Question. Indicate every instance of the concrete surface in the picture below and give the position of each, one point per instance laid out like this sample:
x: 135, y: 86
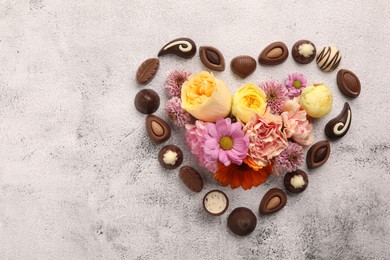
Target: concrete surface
x: 79, y: 177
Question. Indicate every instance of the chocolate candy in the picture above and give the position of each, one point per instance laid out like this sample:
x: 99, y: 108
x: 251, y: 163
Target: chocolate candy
x: 243, y: 66
x: 242, y: 221
x: 191, y: 178
x: 157, y: 129
x: 339, y: 126
x: 318, y: 154
x: 212, y: 58
x: 147, y: 101
x: 274, y: 54
x: 328, y: 58
x: 348, y: 83
x: 296, y: 181
x: 274, y: 200
x: 147, y: 70
x: 303, y: 51
x: 215, y: 202
x: 182, y: 47
x: 170, y: 157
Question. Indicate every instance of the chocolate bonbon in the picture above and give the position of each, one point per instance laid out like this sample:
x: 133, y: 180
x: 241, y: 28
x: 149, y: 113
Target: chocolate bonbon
x: 303, y: 51
x: 243, y: 65
x: 274, y: 54
x: 191, y: 178
x: 318, y: 154
x: 212, y: 58
x: 296, y: 181
x: 147, y: 70
x: 328, y: 58
x: 339, y: 126
x: 147, y: 101
x: 274, y: 200
x: 348, y: 83
x: 182, y: 47
x: 158, y: 130
x: 170, y: 157
x: 215, y: 202
x: 242, y: 221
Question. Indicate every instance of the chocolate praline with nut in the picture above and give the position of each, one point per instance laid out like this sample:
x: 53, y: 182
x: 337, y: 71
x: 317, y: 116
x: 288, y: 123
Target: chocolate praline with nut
x: 303, y: 51
x: 296, y: 181
x: 170, y: 157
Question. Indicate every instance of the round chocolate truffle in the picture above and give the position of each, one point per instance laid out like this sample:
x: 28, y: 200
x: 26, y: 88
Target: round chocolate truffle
x: 215, y: 202
x: 303, y: 51
x: 147, y: 101
x: 242, y: 221
x: 296, y: 181
x: 170, y: 157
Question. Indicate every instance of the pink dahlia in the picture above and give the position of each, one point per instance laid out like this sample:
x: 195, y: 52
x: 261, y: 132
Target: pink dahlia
x: 174, y: 81
x: 276, y: 95
x: 226, y: 142
x: 178, y: 115
x: 266, y: 139
x: 195, y: 137
x: 290, y: 159
x: 295, y: 84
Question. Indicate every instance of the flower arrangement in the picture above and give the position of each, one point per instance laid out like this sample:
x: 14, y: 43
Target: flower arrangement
x: 245, y: 137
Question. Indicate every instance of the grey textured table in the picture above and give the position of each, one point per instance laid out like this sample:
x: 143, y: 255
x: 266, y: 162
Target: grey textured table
x: 79, y: 178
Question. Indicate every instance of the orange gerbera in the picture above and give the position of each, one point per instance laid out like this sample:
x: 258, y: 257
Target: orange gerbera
x: 241, y: 175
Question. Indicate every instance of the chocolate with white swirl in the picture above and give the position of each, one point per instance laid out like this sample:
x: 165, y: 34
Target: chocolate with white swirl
x: 328, y: 58
x: 182, y: 47
x: 339, y: 126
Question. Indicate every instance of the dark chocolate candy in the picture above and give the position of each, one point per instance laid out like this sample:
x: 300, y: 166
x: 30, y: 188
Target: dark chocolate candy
x: 348, y: 83
x: 215, y: 202
x: 296, y: 181
x: 191, y: 178
x: 157, y: 129
x: 147, y: 70
x: 274, y: 54
x: 339, y: 126
x: 182, y: 47
x: 318, y: 154
x: 274, y: 200
x: 303, y: 51
x: 170, y: 157
x: 147, y: 101
x: 328, y: 58
x: 212, y: 58
x: 243, y: 66
x: 242, y: 221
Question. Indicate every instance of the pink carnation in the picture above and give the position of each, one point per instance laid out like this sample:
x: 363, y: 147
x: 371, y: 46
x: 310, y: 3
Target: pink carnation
x: 174, y: 81
x: 176, y: 113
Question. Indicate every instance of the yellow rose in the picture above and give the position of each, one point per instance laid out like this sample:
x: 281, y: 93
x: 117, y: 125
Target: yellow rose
x: 248, y: 100
x: 205, y: 97
x: 316, y: 100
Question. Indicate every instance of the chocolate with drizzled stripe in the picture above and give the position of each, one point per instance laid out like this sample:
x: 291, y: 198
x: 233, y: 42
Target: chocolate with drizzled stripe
x: 328, y: 58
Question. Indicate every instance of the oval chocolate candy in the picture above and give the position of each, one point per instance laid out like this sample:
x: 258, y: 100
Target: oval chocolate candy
x: 242, y: 221
x: 348, y: 83
x: 212, y: 58
x: 243, y: 65
x: 191, y: 178
x: 318, y: 154
x: 296, y: 181
x: 147, y: 101
x: 147, y: 70
x: 328, y: 58
x: 274, y: 200
x: 182, y: 47
x: 274, y: 54
x: 339, y: 126
x: 170, y: 157
x: 157, y: 129
x: 303, y: 51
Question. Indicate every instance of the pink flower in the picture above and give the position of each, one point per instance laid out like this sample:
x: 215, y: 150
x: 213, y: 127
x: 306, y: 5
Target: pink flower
x: 226, y: 142
x: 295, y: 123
x: 295, y: 84
x: 290, y: 159
x: 266, y: 139
x: 195, y: 137
x: 276, y: 95
x: 178, y: 115
x: 174, y: 81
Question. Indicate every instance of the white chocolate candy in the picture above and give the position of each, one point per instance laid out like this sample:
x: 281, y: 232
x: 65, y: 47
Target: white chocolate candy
x: 215, y: 202
x: 170, y: 157
x: 328, y: 58
x: 297, y: 181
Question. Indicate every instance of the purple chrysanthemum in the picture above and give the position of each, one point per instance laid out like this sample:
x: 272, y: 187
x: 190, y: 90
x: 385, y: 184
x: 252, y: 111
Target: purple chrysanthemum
x: 178, y: 115
x: 276, y: 95
x: 174, y: 81
x: 290, y: 159
x: 295, y: 84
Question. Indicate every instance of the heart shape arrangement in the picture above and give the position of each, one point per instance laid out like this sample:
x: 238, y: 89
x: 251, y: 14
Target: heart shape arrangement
x: 259, y: 130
